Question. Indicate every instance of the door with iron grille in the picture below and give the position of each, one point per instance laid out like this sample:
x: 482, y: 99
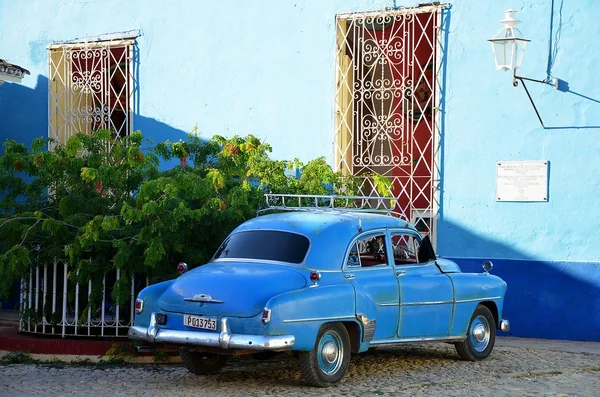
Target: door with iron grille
x: 387, y: 69
x: 90, y: 88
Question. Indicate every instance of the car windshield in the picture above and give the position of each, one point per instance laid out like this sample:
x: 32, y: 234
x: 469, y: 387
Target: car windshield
x: 268, y: 245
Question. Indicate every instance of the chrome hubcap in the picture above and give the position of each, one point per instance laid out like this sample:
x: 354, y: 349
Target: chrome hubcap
x: 330, y: 352
x: 479, y: 333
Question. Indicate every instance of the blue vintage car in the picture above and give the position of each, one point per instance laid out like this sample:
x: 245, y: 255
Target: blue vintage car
x: 320, y: 283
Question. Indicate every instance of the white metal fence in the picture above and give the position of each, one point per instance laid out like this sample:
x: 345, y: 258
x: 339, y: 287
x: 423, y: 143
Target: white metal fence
x: 53, y: 304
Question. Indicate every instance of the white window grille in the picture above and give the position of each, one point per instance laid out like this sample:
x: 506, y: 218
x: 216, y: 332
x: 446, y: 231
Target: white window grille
x: 91, y: 86
x: 387, y: 95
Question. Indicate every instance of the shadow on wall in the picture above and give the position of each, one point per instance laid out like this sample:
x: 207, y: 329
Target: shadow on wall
x: 24, y: 111
x: 444, y: 37
x: 25, y: 117
x: 156, y: 131
x: 552, y: 300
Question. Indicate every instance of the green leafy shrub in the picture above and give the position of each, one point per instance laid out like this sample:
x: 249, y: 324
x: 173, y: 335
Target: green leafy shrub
x: 103, y: 204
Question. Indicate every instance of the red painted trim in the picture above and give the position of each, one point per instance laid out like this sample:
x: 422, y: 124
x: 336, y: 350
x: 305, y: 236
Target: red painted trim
x: 12, y: 340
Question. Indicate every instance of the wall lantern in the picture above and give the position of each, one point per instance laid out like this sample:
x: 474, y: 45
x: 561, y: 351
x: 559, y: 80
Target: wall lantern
x: 508, y: 47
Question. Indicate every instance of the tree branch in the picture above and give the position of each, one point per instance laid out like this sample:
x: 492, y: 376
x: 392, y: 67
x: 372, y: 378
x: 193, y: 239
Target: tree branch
x: 27, y: 232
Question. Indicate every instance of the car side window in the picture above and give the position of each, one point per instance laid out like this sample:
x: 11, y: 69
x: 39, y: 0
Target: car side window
x: 405, y: 247
x: 367, y: 251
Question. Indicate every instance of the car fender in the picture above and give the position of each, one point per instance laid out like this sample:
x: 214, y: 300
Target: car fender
x: 150, y: 295
x: 365, y: 304
x: 302, y: 312
x: 366, y: 311
x: 469, y: 291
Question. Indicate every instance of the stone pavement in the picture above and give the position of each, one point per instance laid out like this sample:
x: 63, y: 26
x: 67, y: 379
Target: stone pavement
x: 517, y: 367
x: 548, y: 344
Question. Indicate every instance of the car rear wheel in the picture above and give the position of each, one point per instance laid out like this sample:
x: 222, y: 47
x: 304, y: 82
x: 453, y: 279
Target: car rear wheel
x: 481, y: 336
x: 202, y: 363
x: 328, y: 361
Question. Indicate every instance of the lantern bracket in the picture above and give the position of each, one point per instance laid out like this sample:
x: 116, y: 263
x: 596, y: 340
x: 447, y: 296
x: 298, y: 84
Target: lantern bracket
x: 516, y: 79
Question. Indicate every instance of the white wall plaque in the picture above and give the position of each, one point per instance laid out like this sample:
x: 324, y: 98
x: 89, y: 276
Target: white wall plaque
x: 522, y: 181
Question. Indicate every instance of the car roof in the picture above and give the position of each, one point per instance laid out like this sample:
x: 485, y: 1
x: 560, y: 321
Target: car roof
x: 329, y: 231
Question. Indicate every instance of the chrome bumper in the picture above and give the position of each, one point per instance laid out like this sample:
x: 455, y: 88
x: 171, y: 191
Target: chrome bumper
x: 223, y: 339
x: 504, y: 325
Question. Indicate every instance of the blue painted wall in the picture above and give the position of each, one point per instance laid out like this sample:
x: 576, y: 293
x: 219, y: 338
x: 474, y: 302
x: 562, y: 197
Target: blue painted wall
x: 267, y: 67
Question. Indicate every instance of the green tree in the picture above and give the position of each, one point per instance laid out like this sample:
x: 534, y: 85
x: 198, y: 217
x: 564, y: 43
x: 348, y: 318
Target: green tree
x: 103, y: 204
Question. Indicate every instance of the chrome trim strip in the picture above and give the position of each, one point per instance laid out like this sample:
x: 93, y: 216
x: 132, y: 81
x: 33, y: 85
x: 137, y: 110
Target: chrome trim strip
x: 298, y: 320
x: 478, y: 299
x: 438, y: 302
x: 369, y: 330
x: 426, y: 303
x: 409, y: 340
x: 407, y: 266
x: 224, y: 339
x: 367, y: 269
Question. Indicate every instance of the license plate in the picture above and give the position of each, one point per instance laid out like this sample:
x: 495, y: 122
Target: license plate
x: 200, y: 322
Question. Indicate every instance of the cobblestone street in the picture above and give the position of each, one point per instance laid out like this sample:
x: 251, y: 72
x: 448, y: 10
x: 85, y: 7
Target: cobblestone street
x: 416, y: 370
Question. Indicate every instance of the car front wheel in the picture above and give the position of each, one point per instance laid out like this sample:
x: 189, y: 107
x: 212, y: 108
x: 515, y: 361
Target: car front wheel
x: 328, y: 361
x: 481, y: 336
x: 202, y: 363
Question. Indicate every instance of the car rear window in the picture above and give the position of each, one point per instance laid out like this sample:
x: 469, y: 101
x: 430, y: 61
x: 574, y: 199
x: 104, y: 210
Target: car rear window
x: 269, y: 245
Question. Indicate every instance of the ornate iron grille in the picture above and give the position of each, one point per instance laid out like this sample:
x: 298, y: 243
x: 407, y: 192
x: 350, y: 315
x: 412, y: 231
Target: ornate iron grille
x: 387, y: 90
x: 90, y: 88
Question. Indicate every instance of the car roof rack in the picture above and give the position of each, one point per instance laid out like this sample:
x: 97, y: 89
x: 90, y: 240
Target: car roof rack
x: 351, y: 204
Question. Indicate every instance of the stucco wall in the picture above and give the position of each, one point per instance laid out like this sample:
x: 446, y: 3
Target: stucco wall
x: 267, y: 68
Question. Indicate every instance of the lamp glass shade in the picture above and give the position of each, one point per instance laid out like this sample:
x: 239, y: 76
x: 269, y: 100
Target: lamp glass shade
x: 519, y: 47
x: 509, y: 45
x: 508, y: 52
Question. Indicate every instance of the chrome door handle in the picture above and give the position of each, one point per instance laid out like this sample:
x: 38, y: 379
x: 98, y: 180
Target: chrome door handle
x: 400, y: 273
x: 349, y: 276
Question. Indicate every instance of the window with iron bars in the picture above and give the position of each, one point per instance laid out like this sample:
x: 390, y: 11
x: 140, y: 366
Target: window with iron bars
x: 90, y: 87
x: 387, y: 72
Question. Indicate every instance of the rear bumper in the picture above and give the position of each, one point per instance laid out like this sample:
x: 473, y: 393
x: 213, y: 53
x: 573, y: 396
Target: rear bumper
x: 223, y: 339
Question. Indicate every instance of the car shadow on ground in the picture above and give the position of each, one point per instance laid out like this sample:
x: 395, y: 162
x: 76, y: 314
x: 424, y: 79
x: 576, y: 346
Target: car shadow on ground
x: 284, y: 370
x: 405, y: 366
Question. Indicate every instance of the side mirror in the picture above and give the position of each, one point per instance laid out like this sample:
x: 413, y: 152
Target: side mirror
x: 487, y: 266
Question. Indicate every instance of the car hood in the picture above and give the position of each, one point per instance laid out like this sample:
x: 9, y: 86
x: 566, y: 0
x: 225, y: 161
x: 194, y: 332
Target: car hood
x: 236, y: 289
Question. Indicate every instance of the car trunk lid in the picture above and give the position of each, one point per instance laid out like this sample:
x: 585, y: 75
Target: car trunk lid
x: 236, y: 289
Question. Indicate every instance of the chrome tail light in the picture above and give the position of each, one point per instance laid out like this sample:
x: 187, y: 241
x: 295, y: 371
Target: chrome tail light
x: 139, y: 305
x: 182, y: 268
x: 266, y: 316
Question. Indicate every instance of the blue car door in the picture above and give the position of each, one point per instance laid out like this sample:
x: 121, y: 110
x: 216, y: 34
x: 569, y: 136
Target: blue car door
x: 426, y: 294
x: 369, y: 270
